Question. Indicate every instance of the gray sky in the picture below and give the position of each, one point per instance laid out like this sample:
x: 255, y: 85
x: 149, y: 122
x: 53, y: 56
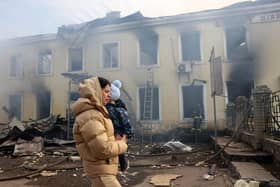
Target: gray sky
x: 30, y: 17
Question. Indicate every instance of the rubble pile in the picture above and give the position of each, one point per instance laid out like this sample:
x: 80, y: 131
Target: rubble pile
x: 21, y: 138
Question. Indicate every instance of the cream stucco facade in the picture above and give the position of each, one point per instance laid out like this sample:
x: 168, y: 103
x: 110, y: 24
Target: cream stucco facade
x: 262, y: 40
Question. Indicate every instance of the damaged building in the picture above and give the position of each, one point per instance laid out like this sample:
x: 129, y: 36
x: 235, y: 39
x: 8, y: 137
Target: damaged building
x: 163, y: 63
x: 181, y: 76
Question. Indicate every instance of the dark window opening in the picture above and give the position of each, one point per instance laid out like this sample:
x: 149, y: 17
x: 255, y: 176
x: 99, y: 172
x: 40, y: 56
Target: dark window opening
x: 193, y: 101
x: 236, y: 89
x: 148, y: 41
x: 155, y: 103
x: 43, y: 104
x: 75, y: 59
x: 190, y: 42
x: 236, y: 43
x: 110, y: 55
x: 15, y: 102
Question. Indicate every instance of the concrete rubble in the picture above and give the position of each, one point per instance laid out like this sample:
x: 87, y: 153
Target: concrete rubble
x: 163, y: 179
x: 30, y: 138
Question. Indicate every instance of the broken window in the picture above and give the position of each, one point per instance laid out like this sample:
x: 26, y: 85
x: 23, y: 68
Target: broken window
x: 236, y: 43
x: 110, y: 55
x: 235, y: 89
x: 75, y: 59
x: 155, y: 103
x: 43, y: 104
x: 15, y: 102
x: 45, y: 62
x: 16, y: 67
x: 192, y: 101
x: 148, y: 42
x: 190, y: 45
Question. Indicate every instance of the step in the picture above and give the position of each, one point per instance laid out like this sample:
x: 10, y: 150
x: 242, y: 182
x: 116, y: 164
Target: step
x: 239, y: 149
x: 252, y: 171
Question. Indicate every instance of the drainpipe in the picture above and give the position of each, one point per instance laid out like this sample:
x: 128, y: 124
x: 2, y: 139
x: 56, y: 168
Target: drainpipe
x: 68, y: 110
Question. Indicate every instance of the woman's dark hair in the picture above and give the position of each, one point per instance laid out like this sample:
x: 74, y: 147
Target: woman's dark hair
x: 103, y: 82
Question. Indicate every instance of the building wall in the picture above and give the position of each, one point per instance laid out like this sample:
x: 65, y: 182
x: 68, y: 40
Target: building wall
x: 165, y: 73
x: 263, y: 40
x: 265, y: 45
x: 31, y: 82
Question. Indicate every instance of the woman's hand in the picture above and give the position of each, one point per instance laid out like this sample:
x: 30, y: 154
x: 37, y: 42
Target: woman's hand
x: 124, y: 138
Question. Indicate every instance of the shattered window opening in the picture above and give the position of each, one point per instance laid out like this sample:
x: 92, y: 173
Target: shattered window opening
x: 236, y: 45
x: 148, y: 48
x: 45, y: 62
x: 16, y: 67
x: 239, y: 88
x: 192, y: 101
x: 155, y: 101
x: 75, y: 59
x: 15, y: 104
x: 43, y: 104
x: 110, y: 55
x: 190, y: 44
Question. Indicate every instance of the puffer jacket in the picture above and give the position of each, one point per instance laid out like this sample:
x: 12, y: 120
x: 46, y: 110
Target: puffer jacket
x: 93, y: 132
x: 120, y: 119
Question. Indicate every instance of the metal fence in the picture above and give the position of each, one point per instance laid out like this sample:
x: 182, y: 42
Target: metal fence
x: 242, y: 112
x: 272, y: 108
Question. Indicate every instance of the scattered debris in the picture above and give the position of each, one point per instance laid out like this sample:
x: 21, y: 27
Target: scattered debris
x: 134, y: 173
x: 55, y: 132
x: 4, y: 130
x: 74, y: 158
x: 16, y: 123
x: 163, y: 179
x: 177, y: 146
x: 40, y: 154
x: 156, y: 149
x: 23, y: 147
x: 48, y: 173
x: 244, y: 183
x: 33, y: 172
x: 200, y: 163
x: 56, y: 153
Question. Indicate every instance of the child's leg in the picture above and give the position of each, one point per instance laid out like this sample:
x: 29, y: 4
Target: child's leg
x: 123, y: 162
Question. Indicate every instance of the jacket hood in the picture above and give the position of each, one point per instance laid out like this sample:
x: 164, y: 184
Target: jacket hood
x: 90, y: 97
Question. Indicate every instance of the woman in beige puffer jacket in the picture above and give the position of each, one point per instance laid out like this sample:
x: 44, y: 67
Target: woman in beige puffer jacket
x: 94, y: 134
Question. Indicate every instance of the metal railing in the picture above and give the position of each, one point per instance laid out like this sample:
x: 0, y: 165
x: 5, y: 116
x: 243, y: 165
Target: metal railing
x: 272, y: 108
x: 271, y: 114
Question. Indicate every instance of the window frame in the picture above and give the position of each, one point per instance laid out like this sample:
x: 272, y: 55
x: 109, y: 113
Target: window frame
x: 139, y: 104
x: 226, y: 29
x: 36, y: 104
x: 204, y: 100
x: 181, y: 53
x: 102, y: 62
x: 19, y: 62
x: 69, y: 62
x: 139, y: 64
x: 51, y: 63
x: 21, y: 100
